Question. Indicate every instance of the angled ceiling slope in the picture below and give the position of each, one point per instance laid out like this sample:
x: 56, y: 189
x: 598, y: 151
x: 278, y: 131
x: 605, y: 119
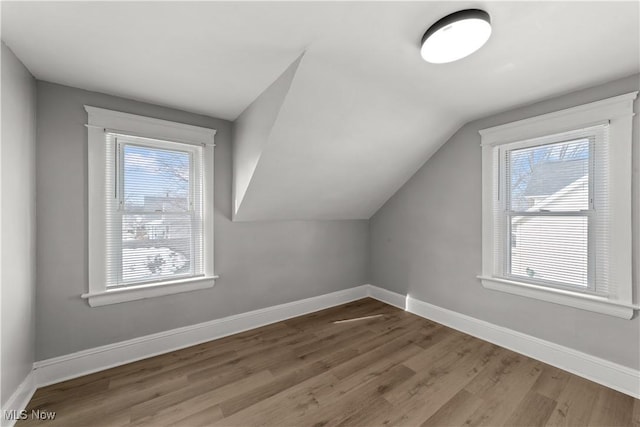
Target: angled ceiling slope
x: 348, y: 124
x: 251, y: 132
x: 363, y: 111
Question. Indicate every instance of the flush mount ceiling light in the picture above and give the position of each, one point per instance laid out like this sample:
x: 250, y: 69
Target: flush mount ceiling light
x: 456, y: 36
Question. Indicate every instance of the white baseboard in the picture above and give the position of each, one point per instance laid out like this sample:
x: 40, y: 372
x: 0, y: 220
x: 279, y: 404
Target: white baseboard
x: 18, y: 400
x: 386, y: 296
x: 601, y: 371
x: 84, y: 362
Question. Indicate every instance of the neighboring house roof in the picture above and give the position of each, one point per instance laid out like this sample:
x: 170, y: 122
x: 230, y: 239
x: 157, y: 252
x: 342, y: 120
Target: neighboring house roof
x: 550, y: 177
x: 161, y: 203
x: 559, y: 181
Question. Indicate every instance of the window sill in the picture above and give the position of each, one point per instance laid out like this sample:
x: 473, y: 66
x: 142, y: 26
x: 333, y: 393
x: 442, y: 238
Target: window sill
x: 558, y: 296
x: 115, y: 296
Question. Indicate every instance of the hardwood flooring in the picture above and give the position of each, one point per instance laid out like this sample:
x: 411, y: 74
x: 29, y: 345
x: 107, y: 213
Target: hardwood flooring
x: 360, y: 364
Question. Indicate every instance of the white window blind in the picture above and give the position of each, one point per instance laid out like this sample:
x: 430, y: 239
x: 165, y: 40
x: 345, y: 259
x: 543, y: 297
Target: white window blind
x: 551, y: 211
x: 154, y: 210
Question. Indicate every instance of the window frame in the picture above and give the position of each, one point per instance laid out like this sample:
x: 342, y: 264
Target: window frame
x: 618, y: 113
x: 101, y: 122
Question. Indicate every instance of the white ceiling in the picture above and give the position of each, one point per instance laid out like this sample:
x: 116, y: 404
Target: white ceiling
x: 212, y: 58
x: 364, y: 111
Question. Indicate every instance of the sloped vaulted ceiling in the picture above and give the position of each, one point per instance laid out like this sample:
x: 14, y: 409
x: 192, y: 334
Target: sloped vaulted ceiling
x: 363, y: 111
x: 252, y: 130
x: 350, y: 121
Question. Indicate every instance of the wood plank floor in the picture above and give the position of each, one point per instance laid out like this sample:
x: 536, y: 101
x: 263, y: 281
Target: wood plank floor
x: 360, y: 364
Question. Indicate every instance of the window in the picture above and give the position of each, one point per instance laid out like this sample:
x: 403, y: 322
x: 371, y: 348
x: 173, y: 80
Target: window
x: 154, y: 220
x: 150, y: 207
x: 550, y: 209
x: 557, y: 207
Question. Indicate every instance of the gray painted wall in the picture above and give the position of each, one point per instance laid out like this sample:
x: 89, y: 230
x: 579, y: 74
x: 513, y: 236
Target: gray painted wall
x: 18, y: 222
x: 260, y: 263
x: 426, y: 241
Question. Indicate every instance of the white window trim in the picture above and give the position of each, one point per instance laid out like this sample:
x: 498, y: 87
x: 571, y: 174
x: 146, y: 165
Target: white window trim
x: 618, y: 111
x: 100, y: 121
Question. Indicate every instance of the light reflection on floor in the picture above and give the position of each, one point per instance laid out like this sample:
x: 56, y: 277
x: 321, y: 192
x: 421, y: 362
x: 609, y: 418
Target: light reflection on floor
x: 355, y: 319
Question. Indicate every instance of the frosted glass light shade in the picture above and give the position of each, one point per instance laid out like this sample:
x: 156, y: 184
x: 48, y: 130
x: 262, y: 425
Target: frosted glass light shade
x: 456, y: 36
